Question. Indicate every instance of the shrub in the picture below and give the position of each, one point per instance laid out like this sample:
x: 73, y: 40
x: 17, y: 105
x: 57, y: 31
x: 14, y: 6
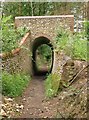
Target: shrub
x: 64, y: 41
x: 52, y: 84
x: 74, y: 46
x: 14, y: 84
x: 10, y: 35
x: 86, y: 25
x: 79, y: 47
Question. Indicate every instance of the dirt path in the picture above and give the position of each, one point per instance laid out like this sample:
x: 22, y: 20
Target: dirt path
x: 34, y: 102
x: 70, y: 102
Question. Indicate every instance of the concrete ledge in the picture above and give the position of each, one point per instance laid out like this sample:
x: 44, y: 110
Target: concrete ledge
x: 34, y: 17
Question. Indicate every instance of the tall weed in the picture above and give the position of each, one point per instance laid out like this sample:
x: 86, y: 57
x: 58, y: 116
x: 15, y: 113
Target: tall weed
x: 52, y: 84
x: 14, y: 84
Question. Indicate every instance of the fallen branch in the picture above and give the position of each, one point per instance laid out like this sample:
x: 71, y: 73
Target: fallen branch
x: 73, y: 79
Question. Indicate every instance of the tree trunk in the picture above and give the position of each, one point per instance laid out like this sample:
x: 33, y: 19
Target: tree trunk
x: 88, y: 10
x: 20, y: 5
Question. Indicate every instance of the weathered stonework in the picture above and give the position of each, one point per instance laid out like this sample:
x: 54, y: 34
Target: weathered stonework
x: 40, y: 26
x: 45, y: 26
x: 20, y: 62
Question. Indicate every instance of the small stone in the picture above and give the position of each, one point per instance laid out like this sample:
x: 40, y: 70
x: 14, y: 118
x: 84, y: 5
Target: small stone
x: 31, y: 113
x: 24, y: 99
x: 8, y: 112
x: 3, y: 113
x: 48, y: 102
x: 17, y: 106
x: 45, y: 116
x: 3, y: 106
x: 6, y: 100
x: 10, y: 100
x: 21, y: 107
x: 17, y: 110
x: 57, y: 103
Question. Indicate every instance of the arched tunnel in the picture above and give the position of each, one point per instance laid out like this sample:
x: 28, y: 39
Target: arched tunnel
x: 36, y: 44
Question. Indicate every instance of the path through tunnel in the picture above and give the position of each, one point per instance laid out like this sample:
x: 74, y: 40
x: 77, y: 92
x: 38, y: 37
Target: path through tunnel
x: 42, y: 56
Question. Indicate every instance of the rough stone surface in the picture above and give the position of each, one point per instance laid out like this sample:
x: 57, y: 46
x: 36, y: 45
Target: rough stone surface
x: 21, y: 62
x: 39, y: 26
x: 45, y: 26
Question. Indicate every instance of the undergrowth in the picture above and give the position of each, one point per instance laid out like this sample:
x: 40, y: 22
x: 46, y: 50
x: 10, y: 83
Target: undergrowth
x: 73, y: 45
x: 14, y: 84
x: 52, y: 84
x: 80, y: 47
x: 10, y: 35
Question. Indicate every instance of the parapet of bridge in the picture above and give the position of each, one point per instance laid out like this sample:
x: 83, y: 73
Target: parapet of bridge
x: 45, y: 25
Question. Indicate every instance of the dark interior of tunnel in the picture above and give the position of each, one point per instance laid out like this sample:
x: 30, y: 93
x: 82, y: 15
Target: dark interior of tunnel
x: 38, y: 42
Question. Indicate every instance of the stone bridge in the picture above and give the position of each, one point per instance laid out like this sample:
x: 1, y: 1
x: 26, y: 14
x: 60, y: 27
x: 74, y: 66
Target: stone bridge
x: 43, y: 30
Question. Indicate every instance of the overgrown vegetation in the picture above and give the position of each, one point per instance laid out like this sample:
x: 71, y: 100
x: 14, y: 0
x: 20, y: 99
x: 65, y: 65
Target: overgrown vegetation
x: 14, y: 84
x: 10, y: 35
x: 52, y: 84
x: 80, y: 47
x: 87, y: 29
x: 73, y: 45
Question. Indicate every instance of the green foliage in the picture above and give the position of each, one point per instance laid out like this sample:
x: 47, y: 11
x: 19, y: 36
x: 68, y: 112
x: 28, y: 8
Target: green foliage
x: 25, y: 8
x: 74, y: 46
x: 62, y: 39
x: 86, y: 24
x: 14, y: 84
x: 43, y: 8
x: 45, y: 51
x: 44, y: 56
x: 52, y: 84
x: 80, y: 47
x: 10, y: 35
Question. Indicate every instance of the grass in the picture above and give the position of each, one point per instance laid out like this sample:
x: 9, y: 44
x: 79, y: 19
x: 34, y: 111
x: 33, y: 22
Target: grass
x: 14, y: 84
x: 73, y: 45
x: 52, y: 84
x: 80, y: 48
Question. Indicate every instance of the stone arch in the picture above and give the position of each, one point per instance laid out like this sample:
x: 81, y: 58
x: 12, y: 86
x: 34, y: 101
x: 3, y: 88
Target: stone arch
x: 43, y: 35
x: 36, y: 43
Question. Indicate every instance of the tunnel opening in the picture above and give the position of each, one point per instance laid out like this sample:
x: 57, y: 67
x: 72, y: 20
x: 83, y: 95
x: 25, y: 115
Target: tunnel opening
x: 42, y: 56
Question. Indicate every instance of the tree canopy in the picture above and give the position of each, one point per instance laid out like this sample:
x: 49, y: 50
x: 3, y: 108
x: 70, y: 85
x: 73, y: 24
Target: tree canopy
x: 79, y: 9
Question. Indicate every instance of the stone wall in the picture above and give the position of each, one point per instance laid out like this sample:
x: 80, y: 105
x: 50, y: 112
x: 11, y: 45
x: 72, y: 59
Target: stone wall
x: 20, y: 62
x: 39, y: 26
x: 46, y: 26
